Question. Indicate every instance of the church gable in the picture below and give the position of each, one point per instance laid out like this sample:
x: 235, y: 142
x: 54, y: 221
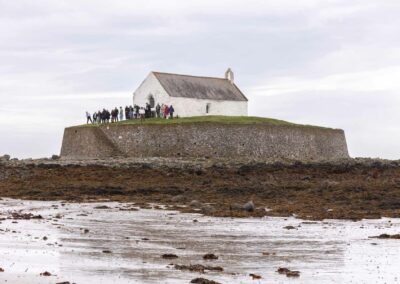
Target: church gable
x: 150, y: 90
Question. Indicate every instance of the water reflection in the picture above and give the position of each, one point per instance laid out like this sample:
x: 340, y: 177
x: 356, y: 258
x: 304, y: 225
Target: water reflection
x: 125, y: 246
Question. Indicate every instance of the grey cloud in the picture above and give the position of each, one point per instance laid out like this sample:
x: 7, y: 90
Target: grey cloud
x: 66, y: 49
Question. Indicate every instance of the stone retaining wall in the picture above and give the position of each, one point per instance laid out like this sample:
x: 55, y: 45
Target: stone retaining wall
x: 218, y: 140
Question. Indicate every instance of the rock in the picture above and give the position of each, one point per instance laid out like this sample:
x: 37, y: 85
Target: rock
x: 255, y: 276
x: 178, y: 198
x: 236, y: 206
x: 5, y: 158
x: 85, y: 231
x: 282, y: 270
x: 102, y: 207
x: 65, y: 282
x: 46, y: 273
x: 289, y: 227
x: 198, y: 268
x: 387, y: 236
x: 169, y: 256
x: 288, y: 272
x: 210, y: 256
x: 195, y: 204
x: 106, y: 251
x: 1, y: 269
x: 249, y: 206
x: 203, y: 281
x: 45, y: 238
x: 25, y: 216
x: 55, y: 157
x: 207, y: 209
x: 293, y: 274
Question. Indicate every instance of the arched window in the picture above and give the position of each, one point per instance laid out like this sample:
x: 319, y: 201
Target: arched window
x: 151, y: 101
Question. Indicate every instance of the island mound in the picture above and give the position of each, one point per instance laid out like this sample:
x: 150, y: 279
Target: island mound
x: 205, y: 136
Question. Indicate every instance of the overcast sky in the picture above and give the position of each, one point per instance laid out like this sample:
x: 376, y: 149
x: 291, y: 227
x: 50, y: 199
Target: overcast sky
x: 333, y: 63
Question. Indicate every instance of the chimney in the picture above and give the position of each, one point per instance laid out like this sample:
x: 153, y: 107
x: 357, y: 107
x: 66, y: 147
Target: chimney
x: 229, y: 75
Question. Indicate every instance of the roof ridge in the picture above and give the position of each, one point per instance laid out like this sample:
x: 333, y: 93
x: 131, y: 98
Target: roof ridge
x: 230, y: 91
x: 204, y: 77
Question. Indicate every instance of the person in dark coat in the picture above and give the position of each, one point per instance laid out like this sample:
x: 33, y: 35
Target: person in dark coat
x: 127, y: 112
x: 158, y: 109
x: 171, y: 112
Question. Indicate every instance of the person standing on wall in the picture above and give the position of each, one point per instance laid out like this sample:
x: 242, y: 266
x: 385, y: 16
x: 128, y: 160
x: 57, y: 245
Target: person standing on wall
x: 162, y: 111
x: 116, y: 114
x: 158, y: 108
x: 121, y: 113
x: 127, y: 112
x: 171, y: 112
x: 142, y: 113
x: 88, y: 118
x: 166, y: 111
x: 137, y: 111
x: 94, y: 117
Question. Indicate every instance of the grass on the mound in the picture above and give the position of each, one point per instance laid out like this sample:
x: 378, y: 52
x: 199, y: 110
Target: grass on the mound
x: 204, y: 119
x: 210, y: 118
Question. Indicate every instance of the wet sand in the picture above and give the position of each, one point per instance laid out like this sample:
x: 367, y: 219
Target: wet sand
x: 333, y: 251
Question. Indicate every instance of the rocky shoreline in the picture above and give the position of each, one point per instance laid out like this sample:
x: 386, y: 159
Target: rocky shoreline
x: 343, y: 189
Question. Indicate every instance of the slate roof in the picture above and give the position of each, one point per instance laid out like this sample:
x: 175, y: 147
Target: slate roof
x: 187, y: 86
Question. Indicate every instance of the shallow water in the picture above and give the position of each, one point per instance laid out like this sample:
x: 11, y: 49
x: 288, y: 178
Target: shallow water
x: 334, y: 251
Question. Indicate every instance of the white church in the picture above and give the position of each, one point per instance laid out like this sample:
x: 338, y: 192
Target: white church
x: 192, y: 95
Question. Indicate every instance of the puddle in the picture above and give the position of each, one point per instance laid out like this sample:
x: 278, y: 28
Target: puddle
x: 122, y: 246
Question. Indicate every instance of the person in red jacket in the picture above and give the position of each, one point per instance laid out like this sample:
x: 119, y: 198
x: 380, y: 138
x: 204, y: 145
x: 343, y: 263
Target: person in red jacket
x: 166, y: 111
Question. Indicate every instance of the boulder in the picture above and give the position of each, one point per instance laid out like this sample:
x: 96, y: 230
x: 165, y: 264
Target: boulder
x: 55, y: 157
x: 203, y: 281
x: 236, y: 206
x: 195, y: 204
x: 169, y: 256
x: 210, y: 256
x: 249, y: 206
x: 178, y: 198
x: 207, y: 209
x: 5, y: 158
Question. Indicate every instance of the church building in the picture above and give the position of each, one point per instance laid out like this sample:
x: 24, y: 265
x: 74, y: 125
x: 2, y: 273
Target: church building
x: 192, y: 95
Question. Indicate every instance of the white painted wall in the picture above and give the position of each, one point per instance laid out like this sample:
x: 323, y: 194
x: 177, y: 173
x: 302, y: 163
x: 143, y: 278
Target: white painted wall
x: 186, y: 106
x: 196, y: 107
x: 150, y: 86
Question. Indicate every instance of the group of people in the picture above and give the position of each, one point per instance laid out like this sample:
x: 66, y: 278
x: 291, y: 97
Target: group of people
x: 164, y: 111
x: 130, y: 112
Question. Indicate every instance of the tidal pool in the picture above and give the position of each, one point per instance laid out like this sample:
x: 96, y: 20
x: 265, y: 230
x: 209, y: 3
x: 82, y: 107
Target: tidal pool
x: 114, y: 243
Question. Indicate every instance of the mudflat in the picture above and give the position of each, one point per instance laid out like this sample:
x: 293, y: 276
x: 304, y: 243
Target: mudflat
x: 345, y: 189
x: 111, y: 242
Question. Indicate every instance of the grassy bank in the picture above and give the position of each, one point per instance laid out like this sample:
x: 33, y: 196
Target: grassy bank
x: 205, y: 119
